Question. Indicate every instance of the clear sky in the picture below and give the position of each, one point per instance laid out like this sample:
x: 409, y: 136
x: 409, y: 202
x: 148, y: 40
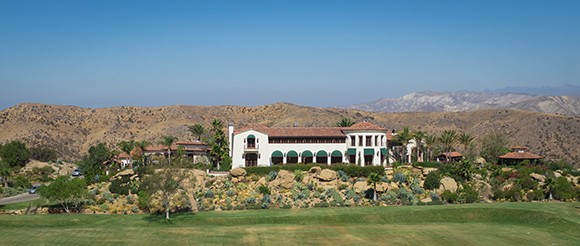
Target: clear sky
x: 319, y: 53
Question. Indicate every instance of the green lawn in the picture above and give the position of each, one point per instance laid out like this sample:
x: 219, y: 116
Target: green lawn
x: 475, y: 224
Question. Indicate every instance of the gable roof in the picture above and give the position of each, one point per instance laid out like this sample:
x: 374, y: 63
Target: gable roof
x: 520, y: 156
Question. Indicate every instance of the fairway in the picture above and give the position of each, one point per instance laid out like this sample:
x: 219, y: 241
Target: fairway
x: 474, y: 224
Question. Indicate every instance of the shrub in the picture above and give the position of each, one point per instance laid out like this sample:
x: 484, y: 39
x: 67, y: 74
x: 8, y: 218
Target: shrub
x: 406, y: 197
x: 342, y: 186
x: 535, y: 195
x: 350, y: 170
x: 264, y: 190
x: 526, y: 182
x: 449, y: 197
x: 120, y: 186
x: 230, y: 193
x: 563, y: 189
x: 272, y: 175
x: 209, y: 194
x: 468, y: 194
x: 43, y: 154
x: 400, y: 177
x: 432, y: 181
x: 390, y: 197
x: 514, y: 194
x: 298, y: 175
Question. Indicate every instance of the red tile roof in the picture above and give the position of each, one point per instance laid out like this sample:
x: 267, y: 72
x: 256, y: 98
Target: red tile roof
x: 519, y: 147
x: 520, y: 156
x: 310, y: 131
x: 453, y: 154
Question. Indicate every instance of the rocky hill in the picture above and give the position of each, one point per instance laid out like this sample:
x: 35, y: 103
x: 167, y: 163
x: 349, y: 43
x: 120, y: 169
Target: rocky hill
x: 471, y: 101
x: 71, y: 130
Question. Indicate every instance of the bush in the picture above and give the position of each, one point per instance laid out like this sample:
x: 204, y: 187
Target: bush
x: 432, y: 181
x: 449, y: 197
x: 427, y: 164
x: 400, y: 177
x: 120, y: 186
x: 208, y: 194
x: 350, y: 170
x: 468, y: 195
x: 563, y: 189
x: 264, y: 190
x: 514, y: 194
x: 272, y: 175
x: 144, y: 200
x: 535, y: 195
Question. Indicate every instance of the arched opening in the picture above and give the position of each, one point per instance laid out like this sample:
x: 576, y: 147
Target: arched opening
x: 307, y: 157
x: 277, y: 157
x: 292, y: 157
x: 251, y: 159
x: 251, y: 142
x: 336, y: 157
x: 321, y: 157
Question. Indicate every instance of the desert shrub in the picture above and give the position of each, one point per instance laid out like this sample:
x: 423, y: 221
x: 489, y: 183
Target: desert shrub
x: 514, y: 193
x: 435, y: 198
x: 526, y: 182
x: 468, y: 194
x: 298, y: 175
x: 266, y: 201
x: 209, y: 194
x: 499, y: 194
x: 416, y: 187
x: 264, y: 190
x: 535, y: 195
x: 350, y: 170
x: 406, y: 197
x: 350, y: 193
x: 449, y: 197
x: 230, y: 193
x: 342, y: 186
x: 342, y: 176
x: 563, y: 189
x: 432, y: 180
x: 427, y: 164
x: 120, y: 186
x: 390, y: 197
x: 144, y: 200
x: 272, y: 175
x: 400, y: 177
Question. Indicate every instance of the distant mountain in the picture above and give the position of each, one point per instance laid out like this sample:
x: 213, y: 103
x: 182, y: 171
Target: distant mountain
x: 469, y: 101
x: 564, y: 90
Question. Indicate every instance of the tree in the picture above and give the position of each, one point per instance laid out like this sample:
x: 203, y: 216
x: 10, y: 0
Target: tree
x: 69, y: 193
x: 430, y: 141
x: 433, y: 180
x: 127, y: 147
x: 197, y: 131
x: 549, y: 186
x: 448, y: 139
x: 5, y: 173
x: 168, y: 142
x: 15, y: 154
x: 166, y: 182
x: 403, y: 138
x: 493, y: 145
x: 374, y: 179
x: 464, y: 169
x: 465, y: 139
x: 219, y: 149
x: 93, y: 163
x: 345, y: 122
x: 419, y: 136
x: 141, y: 146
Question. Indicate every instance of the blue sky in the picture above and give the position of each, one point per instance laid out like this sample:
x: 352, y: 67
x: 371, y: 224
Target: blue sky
x: 317, y: 53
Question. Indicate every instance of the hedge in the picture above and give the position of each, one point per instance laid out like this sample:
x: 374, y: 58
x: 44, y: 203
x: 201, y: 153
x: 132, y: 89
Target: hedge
x: 350, y: 170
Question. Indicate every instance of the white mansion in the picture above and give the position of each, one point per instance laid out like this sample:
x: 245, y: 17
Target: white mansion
x: 363, y: 143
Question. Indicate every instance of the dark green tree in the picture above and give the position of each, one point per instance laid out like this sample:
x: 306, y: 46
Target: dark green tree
x: 219, y: 149
x: 69, y: 193
x: 15, y: 154
x: 403, y: 138
x: 43, y: 154
x: 419, y: 137
x: 430, y: 141
x: 141, y: 146
x: 464, y: 169
x: 433, y: 180
x: 465, y: 139
x: 345, y: 122
x: 93, y: 164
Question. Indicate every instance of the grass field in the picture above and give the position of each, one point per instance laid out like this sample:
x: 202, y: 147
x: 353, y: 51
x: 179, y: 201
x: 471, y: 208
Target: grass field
x: 474, y: 224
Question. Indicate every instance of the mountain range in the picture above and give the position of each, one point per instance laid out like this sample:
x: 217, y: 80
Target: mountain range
x: 70, y: 130
x: 464, y: 101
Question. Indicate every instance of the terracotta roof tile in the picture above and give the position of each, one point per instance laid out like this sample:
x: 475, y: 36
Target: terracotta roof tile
x: 365, y: 126
x: 310, y: 131
x: 521, y: 156
x: 453, y: 154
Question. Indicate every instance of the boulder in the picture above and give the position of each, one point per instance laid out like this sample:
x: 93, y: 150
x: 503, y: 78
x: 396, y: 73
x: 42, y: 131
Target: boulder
x: 393, y: 186
x: 382, y: 187
x: 315, y: 170
x: 238, y: 172
x: 262, y: 181
x: 557, y: 174
x: 507, y: 169
x: 361, y: 186
x: 284, y: 180
x: 327, y: 175
x: 449, y: 184
x: 538, y: 177
x: 389, y: 172
x: 480, y: 161
x: 427, y: 200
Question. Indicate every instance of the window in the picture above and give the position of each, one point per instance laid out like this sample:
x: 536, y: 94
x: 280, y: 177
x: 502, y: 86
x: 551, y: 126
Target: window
x: 360, y: 141
x: 352, y: 141
x: 369, y: 141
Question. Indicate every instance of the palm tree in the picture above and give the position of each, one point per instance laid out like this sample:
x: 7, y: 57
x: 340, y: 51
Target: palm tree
x: 465, y: 139
x: 419, y: 137
x: 345, y: 122
x: 430, y: 141
x: 197, y: 130
x: 448, y: 138
x: 403, y: 138
x: 373, y: 179
x: 5, y: 173
x: 219, y: 149
x: 168, y: 142
x: 127, y: 147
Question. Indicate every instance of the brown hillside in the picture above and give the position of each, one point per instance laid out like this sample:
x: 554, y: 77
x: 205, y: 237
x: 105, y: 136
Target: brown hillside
x: 71, y: 130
